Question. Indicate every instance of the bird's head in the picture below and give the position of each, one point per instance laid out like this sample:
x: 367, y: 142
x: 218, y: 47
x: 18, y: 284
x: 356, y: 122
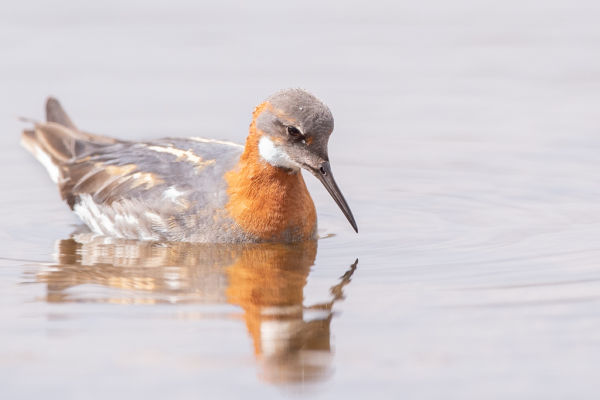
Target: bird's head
x: 295, y: 128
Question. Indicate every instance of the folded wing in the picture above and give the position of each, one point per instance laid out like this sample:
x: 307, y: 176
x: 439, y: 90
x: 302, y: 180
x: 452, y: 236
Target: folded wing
x: 150, y: 190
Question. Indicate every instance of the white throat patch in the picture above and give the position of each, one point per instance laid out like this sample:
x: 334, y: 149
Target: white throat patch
x: 275, y: 155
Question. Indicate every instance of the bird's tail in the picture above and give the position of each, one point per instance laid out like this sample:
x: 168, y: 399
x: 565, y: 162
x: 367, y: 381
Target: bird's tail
x: 59, y: 141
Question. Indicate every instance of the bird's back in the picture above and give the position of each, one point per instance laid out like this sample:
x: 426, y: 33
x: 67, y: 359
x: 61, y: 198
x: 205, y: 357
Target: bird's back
x: 167, y: 189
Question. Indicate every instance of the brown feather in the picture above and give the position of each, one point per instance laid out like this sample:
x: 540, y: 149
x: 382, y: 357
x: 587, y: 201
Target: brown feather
x: 55, y: 113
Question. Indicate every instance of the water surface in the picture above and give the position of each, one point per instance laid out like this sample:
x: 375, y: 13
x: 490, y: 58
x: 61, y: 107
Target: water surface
x: 466, y: 142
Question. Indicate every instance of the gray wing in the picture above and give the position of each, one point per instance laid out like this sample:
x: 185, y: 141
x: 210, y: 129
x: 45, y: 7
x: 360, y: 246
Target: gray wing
x: 147, y: 170
x: 166, y: 189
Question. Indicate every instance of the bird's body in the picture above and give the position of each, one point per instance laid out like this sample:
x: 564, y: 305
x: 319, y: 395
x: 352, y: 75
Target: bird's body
x: 193, y: 189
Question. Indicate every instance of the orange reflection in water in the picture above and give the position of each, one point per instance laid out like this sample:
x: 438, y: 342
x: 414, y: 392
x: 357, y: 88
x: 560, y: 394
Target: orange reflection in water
x: 266, y: 280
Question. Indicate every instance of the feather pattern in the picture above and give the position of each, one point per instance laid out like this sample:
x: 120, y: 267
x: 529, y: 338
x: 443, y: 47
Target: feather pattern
x: 167, y: 189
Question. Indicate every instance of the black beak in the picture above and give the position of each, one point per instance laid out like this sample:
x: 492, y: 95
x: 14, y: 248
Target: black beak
x: 326, y: 177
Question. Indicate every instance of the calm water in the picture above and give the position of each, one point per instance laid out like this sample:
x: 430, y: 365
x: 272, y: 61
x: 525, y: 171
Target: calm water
x: 467, y: 143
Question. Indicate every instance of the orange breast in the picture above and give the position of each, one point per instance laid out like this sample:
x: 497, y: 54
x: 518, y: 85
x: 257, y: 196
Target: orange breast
x: 268, y: 202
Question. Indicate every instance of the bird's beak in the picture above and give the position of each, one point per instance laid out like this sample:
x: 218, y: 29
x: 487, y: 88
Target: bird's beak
x: 323, y: 173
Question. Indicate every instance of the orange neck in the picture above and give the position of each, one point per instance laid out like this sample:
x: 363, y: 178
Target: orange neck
x: 269, y: 202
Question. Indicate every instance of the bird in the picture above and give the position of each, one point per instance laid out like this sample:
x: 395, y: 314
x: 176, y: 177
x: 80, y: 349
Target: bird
x: 196, y: 189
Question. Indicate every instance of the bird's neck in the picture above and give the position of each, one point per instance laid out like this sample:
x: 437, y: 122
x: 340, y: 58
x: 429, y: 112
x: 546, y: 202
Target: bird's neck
x: 268, y: 202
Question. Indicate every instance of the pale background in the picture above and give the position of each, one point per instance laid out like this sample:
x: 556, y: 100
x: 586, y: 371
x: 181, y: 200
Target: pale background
x: 467, y: 143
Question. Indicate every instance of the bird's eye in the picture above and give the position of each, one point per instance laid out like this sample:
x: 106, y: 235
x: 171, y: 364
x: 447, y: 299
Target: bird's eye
x: 294, y: 132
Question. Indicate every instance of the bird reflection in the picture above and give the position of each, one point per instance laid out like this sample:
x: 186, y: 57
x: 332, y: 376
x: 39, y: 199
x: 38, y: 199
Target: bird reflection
x: 291, y: 341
